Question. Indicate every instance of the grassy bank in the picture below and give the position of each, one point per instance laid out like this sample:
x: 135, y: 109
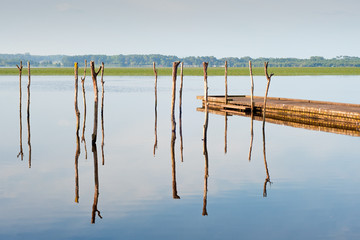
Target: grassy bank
x: 217, y: 71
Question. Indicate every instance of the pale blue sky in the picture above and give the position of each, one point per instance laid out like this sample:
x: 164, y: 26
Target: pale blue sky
x: 220, y: 28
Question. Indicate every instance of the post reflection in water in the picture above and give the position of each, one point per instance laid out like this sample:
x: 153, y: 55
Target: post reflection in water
x: 205, y: 153
x: 21, y: 154
x: 225, y: 134
x: 96, y: 192
x: 267, y: 179
x: 173, y: 165
x: 251, y: 133
x: 77, y: 154
x: 28, y: 114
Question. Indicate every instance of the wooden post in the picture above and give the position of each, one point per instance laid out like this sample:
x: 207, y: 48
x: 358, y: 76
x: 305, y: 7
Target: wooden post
x: 267, y: 87
x: 180, y: 110
x: 155, y: 127
x: 21, y: 154
x: 84, y: 102
x: 77, y: 112
x: 226, y: 85
x: 28, y: 113
x: 205, y: 66
x: 252, y: 87
x: 174, y: 74
x: 102, y: 113
x: 94, y: 79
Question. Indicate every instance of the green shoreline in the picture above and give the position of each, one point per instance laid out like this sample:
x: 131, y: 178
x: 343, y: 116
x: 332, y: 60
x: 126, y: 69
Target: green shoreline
x: 192, y: 71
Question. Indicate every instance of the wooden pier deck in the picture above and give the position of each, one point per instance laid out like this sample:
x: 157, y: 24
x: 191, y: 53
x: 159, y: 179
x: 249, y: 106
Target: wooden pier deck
x: 333, y: 117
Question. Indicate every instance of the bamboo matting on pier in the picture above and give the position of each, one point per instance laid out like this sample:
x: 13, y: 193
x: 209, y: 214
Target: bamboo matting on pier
x: 332, y: 117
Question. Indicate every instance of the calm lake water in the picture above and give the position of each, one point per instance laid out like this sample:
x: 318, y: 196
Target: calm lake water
x: 314, y: 191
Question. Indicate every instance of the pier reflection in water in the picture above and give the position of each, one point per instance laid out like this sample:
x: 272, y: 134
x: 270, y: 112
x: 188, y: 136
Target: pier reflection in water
x: 136, y: 195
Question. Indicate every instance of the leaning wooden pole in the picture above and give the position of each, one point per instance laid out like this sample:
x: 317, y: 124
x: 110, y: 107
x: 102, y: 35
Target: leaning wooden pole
x: 28, y: 113
x: 180, y: 110
x: 102, y: 113
x: 205, y: 66
x: 252, y: 87
x: 77, y: 112
x: 84, y: 103
x: 21, y: 154
x: 155, y: 127
x: 268, y: 78
x: 94, y: 75
x: 174, y: 75
x: 226, y: 84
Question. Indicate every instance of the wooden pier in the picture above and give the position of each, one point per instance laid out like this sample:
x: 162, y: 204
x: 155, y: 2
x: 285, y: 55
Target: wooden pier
x: 332, y: 117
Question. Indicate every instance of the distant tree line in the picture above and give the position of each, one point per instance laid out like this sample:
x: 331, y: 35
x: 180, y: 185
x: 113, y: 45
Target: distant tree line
x: 10, y: 60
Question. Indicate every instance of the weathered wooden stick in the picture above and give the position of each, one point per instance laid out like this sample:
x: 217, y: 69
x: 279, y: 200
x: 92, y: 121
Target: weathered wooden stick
x: 267, y: 87
x: 205, y: 66
x: 226, y: 85
x: 102, y: 113
x: 174, y: 74
x: 21, y: 154
x: 94, y: 79
x: 180, y: 110
x: 155, y: 127
x: 252, y: 87
x: 77, y: 112
x: 28, y: 113
x: 84, y: 102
